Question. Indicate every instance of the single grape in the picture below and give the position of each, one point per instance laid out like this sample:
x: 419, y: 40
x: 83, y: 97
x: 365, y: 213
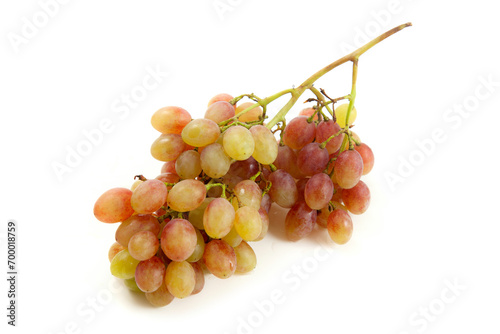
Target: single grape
x: 186, y: 195
x: 214, y: 161
x: 123, y: 265
x: 131, y: 285
x: 135, y: 224
x: 246, y: 260
x: 200, y: 132
x: 367, y: 155
x: 161, y: 297
x: 266, y: 202
x: 220, y: 111
x: 357, y: 198
x: 337, y: 193
x: 348, y: 169
x: 312, y: 159
x: 143, y: 245
x: 247, y: 223
x: 341, y: 114
x: 283, y: 190
x: 299, y: 221
x: 248, y: 193
x: 199, y: 277
x: 309, y: 112
x: 232, y: 238
x: 114, y: 249
x: 218, y: 218
x: 322, y: 216
x: 178, y: 239
x: 199, y: 249
x: 238, y: 142
x: 244, y: 168
x: 252, y: 115
x: 220, y: 258
x: 180, y: 279
x: 327, y: 129
x: 170, y: 119
x: 301, y: 186
x: 150, y: 274
x: 220, y: 97
x: 114, y: 206
x: 196, y: 215
x: 339, y: 226
x: 266, y: 147
x: 287, y: 160
x: 168, y: 167
x: 264, y: 217
x: 188, y: 165
x: 167, y: 147
x: 298, y: 133
x: 135, y: 184
x: 318, y: 191
x: 149, y: 196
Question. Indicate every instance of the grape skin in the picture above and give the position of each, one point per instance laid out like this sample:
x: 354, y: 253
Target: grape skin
x: 218, y: 218
x: 180, y: 279
x: 149, y: 196
x: 283, y: 190
x: 170, y: 120
x: 123, y: 265
x: 299, y: 221
x: 312, y: 159
x: 348, y: 169
x: 248, y: 223
x: 114, y: 206
x: 266, y: 147
x: 327, y: 129
x: 220, y: 111
x: 357, y: 199
x: 367, y: 155
x: 214, y: 161
x: 318, y: 191
x: 167, y: 147
x: 299, y: 132
x: 114, y: 249
x: 246, y: 260
x: 339, y: 226
x: 135, y: 224
x: 199, y: 249
x: 248, y: 193
x: 199, y: 278
x: 178, y: 239
x: 341, y: 114
x: 200, y: 132
x: 150, y: 274
x: 186, y: 195
x: 238, y: 142
x: 188, y: 165
x: 143, y: 245
x: 287, y: 160
x: 220, y: 97
x: 220, y: 258
x: 161, y: 297
x: 252, y: 115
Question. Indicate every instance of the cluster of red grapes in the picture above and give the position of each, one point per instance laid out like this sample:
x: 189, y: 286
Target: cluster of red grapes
x: 221, y: 175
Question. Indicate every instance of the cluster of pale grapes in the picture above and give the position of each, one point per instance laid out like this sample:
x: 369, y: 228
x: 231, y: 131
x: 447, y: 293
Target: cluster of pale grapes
x: 221, y: 175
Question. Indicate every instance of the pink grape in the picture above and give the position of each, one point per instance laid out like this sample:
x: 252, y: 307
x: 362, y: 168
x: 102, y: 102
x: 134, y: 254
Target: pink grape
x: 248, y: 193
x: 161, y: 297
x: 170, y: 119
x: 220, y: 111
x: 218, y: 218
x: 367, y: 155
x: 301, y: 186
x: 199, y: 278
x: 287, y: 160
x: 299, y: 133
x: 135, y: 224
x: 283, y: 190
x: 266, y: 202
x: 339, y: 226
x: 114, y: 249
x: 178, y: 239
x: 114, y: 206
x: 149, y: 274
x: 318, y: 191
x: 220, y: 258
x: 149, y: 196
x: 143, y: 245
x: 220, y: 97
x: 327, y: 129
x: 348, y: 169
x: 299, y: 221
x: 357, y: 198
x: 167, y: 147
x: 244, y: 168
x: 312, y: 159
x: 168, y: 167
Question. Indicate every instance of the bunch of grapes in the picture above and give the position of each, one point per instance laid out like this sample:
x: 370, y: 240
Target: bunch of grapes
x: 220, y: 176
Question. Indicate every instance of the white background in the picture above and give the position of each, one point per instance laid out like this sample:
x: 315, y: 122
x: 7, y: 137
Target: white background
x: 438, y: 225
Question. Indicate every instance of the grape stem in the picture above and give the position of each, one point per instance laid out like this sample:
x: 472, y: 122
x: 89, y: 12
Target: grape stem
x: 222, y: 185
x: 297, y: 92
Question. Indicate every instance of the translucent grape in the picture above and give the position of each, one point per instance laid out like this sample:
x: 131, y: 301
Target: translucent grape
x: 357, y: 198
x: 339, y: 226
x: 348, y: 169
x: 248, y: 193
x: 200, y: 132
x: 218, y: 218
x: 322, y: 216
x: 238, y: 142
x: 367, y: 155
x: 308, y: 112
x: 283, y: 190
x: 170, y: 119
x: 167, y: 147
x: 143, y: 245
x: 135, y: 224
x: 337, y: 193
x: 149, y: 196
x: 220, y: 97
x: 161, y: 297
x: 247, y: 223
x: 114, y: 206
x: 312, y: 159
x: 178, y: 239
x: 318, y: 191
x: 199, y: 277
x: 341, y: 114
x: 196, y: 215
x: 233, y: 239
x: 327, y: 129
x: 299, y: 221
x: 252, y: 115
x: 131, y: 285
x: 287, y: 160
x: 168, y: 167
x: 199, y: 249
x: 246, y: 260
x: 135, y: 184
x: 220, y: 258
x: 266, y: 202
x: 264, y: 217
x: 163, y: 257
x: 123, y: 265
x: 220, y: 111
x: 186, y: 195
x: 245, y: 168
x: 150, y: 274
x: 180, y: 279
x: 188, y: 165
x: 266, y: 146
x: 214, y: 161
x: 299, y: 133
x: 301, y: 186
x: 114, y: 249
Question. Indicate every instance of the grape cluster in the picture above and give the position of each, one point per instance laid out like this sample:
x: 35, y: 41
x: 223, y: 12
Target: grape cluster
x: 221, y: 173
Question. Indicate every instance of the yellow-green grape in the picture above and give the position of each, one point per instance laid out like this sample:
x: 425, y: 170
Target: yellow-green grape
x: 180, y: 279
x: 247, y: 223
x: 186, y: 195
x: 218, y: 218
x: 200, y: 278
x: 135, y: 184
x: 266, y: 146
x: 200, y: 132
x: 341, y: 114
x: 238, y: 143
x: 264, y: 217
x: 131, y: 285
x: 232, y: 238
x: 167, y: 147
x: 245, y: 258
x: 199, y: 249
x: 214, y: 160
x: 160, y: 297
x: 195, y: 216
x: 123, y: 265
x: 188, y: 165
